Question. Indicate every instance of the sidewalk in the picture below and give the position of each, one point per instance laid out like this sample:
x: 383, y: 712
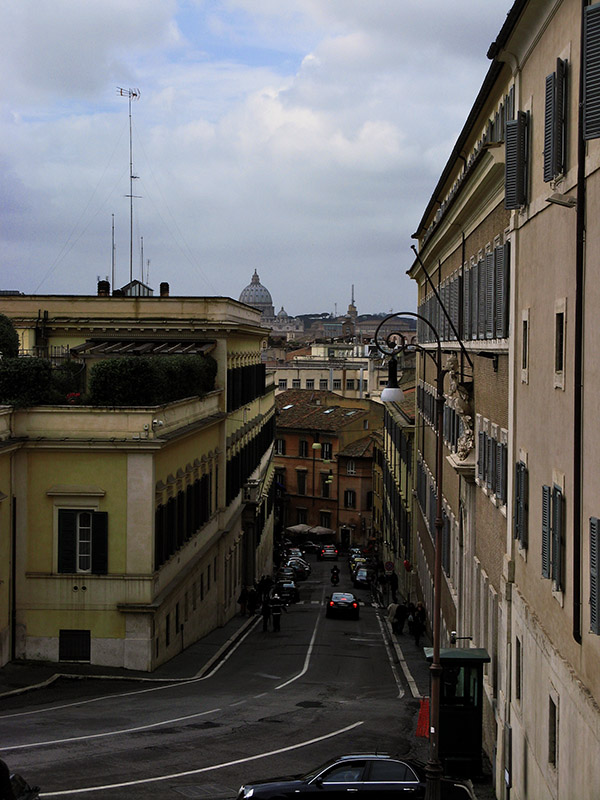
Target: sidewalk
x: 197, y: 659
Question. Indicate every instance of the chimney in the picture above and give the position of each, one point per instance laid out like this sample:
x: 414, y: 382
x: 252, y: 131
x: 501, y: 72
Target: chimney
x: 103, y: 289
x: 164, y: 290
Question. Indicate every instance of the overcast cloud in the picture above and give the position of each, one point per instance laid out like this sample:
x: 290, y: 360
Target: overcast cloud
x: 301, y: 138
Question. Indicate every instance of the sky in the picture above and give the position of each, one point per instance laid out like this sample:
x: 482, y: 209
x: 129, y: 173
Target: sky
x: 299, y: 138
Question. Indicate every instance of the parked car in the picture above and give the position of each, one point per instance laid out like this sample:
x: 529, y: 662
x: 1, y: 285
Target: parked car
x: 294, y: 552
x: 342, y: 604
x: 362, y: 578
x: 367, y: 774
x: 356, y: 562
x: 285, y: 574
x: 310, y: 547
x: 287, y: 591
x: 328, y: 551
x: 301, y: 568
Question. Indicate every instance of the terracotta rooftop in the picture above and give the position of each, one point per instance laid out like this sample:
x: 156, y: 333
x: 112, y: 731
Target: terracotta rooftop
x: 318, y: 410
x: 361, y: 448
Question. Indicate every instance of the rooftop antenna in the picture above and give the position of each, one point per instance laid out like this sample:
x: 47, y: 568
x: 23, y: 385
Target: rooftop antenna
x: 130, y: 94
x: 142, y: 257
x: 112, y: 259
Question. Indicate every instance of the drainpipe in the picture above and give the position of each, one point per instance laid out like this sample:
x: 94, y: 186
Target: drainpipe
x: 578, y: 366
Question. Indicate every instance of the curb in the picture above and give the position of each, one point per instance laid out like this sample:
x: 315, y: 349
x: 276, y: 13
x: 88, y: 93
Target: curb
x: 139, y: 678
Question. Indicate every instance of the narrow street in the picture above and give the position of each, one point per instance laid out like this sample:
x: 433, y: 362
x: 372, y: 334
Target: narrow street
x: 279, y: 703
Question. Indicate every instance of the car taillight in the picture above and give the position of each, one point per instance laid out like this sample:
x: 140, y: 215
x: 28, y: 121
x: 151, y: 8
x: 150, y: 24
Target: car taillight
x: 336, y: 552
x: 354, y: 605
x: 331, y: 603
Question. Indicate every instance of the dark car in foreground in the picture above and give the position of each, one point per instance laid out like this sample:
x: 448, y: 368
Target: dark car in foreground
x: 342, y: 604
x: 366, y: 775
x: 327, y: 551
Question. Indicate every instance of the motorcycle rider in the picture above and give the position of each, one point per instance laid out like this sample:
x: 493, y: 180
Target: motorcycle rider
x: 335, y: 575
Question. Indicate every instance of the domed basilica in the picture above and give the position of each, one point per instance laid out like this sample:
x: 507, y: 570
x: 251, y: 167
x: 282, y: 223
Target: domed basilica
x: 258, y: 296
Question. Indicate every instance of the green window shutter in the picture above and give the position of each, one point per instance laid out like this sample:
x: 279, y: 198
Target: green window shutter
x: 67, y: 540
x: 490, y: 300
x: 502, y: 275
x: 100, y: 542
x: 515, y: 190
x: 481, y: 298
x: 594, y: 575
x: 591, y: 72
x: 557, y: 538
x: 550, y: 129
x: 524, y: 511
x: 481, y: 455
x: 546, y: 504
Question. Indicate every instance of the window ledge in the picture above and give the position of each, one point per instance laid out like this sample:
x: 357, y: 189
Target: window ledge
x: 75, y: 491
x: 464, y: 467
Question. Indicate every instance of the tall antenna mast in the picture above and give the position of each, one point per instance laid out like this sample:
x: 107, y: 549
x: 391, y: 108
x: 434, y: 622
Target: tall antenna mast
x: 112, y: 260
x: 130, y: 94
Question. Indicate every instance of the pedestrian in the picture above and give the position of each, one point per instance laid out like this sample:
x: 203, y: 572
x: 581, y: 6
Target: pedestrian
x: 420, y: 617
x: 391, y: 615
x: 410, y: 617
x: 401, y: 615
x: 265, y: 611
x: 393, y: 579
x: 6, y: 792
x: 242, y: 601
x: 276, y: 608
x: 252, y: 601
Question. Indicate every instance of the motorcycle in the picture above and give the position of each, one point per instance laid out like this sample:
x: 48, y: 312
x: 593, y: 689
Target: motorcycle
x: 335, y: 578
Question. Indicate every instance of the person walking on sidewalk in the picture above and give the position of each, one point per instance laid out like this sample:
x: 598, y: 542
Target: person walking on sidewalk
x: 242, y: 601
x: 276, y: 608
x: 400, y: 618
x: 265, y: 611
x: 420, y: 617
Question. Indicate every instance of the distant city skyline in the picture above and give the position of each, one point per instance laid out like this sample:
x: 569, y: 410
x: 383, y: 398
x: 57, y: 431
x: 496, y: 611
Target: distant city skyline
x: 300, y: 139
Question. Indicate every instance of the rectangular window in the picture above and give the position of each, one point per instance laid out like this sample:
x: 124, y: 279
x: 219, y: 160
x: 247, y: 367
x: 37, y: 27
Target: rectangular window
x: 82, y: 541
x: 310, y: 383
x: 337, y: 384
x: 559, y: 342
x: 303, y: 448
x: 553, y: 536
x: 279, y: 447
x: 324, y: 383
x: 552, y: 732
x: 350, y: 383
x: 301, y: 476
x: 349, y: 498
x: 296, y: 383
x: 325, y: 484
x: 351, y: 468
x: 525, y: 345
x: 520, y: 518
x: 74, y: 645
x: 518, y: 668
x: 326, y: 451
x: 325, y: 519
x: 282, y: 384
x: 301, y: 516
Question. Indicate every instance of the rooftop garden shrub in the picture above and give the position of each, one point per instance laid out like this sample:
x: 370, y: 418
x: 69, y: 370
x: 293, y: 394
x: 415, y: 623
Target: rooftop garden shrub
x: 9, y: 338
x: 25, y: 382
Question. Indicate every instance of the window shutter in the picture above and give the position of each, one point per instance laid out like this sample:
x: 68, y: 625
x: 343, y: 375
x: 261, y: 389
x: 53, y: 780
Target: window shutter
x: 516, y: 162
x: 502, y: 275
x: 489, y: 295
x: 490, y: 451
x: 100, y: 542
x: 467, y: 304
x: 591, y: 72
x: 481, y: 455
x: 67, y: 540
x: 550, y: 129
x: 557, y: 538
x: 517, y: 504
x: 594, y: 575
x: 481, y: 298
x: 524, y: 510
x: 545, y: 531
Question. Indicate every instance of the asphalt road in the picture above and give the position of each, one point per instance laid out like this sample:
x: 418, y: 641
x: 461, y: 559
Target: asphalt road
x: 280, y: 703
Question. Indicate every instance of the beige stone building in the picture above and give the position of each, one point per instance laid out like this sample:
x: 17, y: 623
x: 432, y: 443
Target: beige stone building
x: 510, y: 241
x: 125, y: 531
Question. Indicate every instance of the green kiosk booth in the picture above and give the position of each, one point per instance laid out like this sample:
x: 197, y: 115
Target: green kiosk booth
x: 461, y: 713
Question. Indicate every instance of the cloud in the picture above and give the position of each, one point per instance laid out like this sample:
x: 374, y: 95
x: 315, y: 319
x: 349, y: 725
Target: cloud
x: 299, y: 138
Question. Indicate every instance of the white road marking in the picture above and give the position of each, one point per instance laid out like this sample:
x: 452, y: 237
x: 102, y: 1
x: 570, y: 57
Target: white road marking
x: 175, y: 775
x: 307, y: 659
x: 108, y: 733
x: 390, y: 659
